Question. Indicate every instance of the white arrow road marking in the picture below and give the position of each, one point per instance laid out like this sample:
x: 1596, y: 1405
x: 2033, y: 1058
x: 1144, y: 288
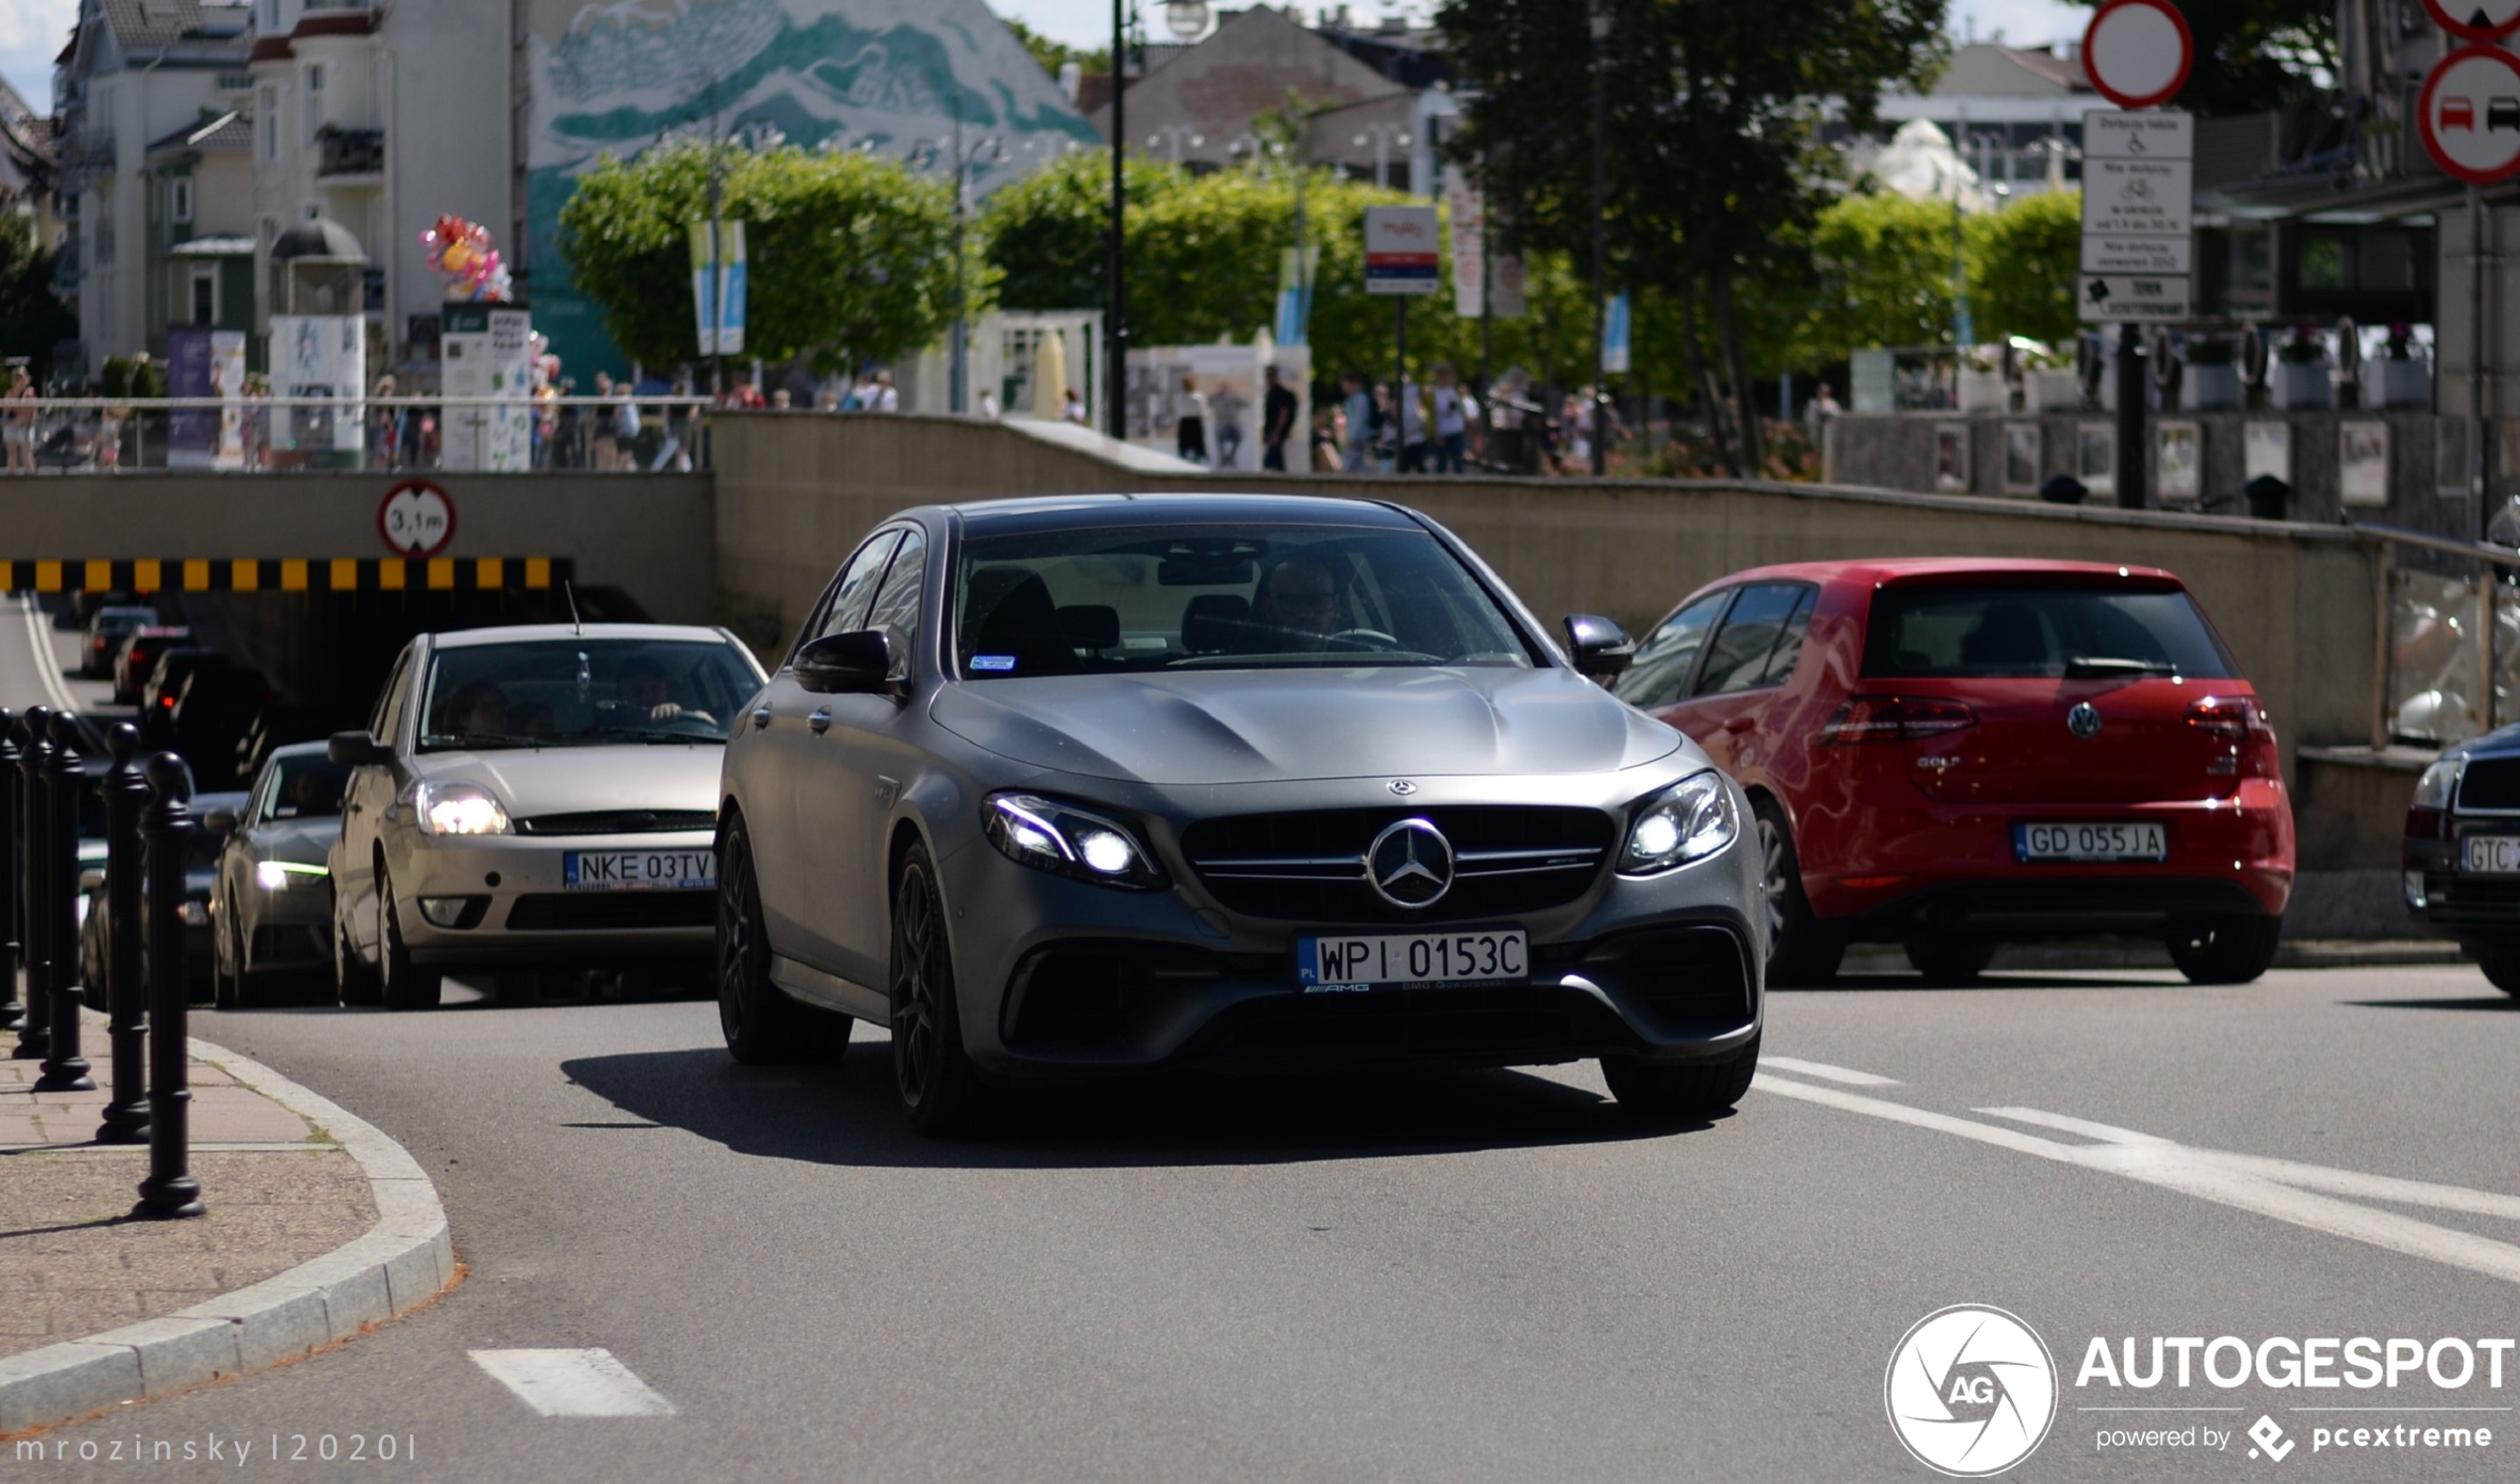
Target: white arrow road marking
x: 2280, y: 1188
x: 1829, y: 1073
x: 573, y: 1382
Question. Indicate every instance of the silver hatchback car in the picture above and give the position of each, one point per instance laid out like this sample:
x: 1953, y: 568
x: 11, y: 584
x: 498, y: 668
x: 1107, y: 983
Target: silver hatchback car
x: 534, y: 798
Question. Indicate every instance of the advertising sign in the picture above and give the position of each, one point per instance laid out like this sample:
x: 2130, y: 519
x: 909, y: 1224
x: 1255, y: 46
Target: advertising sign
x: 1402, y: 246
x: 1466, y: 206
x: 487, y: 353
x: 320, y: 358
x: 718, y: 287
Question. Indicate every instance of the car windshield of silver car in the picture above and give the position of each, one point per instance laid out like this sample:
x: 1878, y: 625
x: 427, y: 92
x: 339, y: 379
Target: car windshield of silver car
x: 1230, y: 597
x: 577, y: 693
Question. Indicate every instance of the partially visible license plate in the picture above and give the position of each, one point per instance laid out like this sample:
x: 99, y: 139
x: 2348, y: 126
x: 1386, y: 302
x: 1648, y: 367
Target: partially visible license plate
x: 2090, y: 842
x: 2491, y: 855
x: 1378, y: 960
x: 639, y: 870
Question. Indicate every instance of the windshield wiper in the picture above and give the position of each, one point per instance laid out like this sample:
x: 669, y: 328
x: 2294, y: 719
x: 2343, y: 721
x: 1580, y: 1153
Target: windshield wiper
x: 440, y: 742
x: 649, y: 734
x: 2100, y: 667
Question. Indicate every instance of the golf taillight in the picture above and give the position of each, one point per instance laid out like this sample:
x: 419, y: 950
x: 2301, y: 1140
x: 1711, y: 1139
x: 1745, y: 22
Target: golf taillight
x: 2227, y: 716
x: 1895, y: 718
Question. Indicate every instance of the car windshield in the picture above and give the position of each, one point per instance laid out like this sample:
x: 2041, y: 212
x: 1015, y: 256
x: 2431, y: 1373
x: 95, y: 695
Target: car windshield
x: 306, y: 788
x: 577, y: 693
x: 1222, y: 597
x: 2033, y: 631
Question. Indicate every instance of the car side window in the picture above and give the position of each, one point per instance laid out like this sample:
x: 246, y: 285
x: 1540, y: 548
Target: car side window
x: 1662, y: 664
x: 1789, y: 642
x: 1738, y: 657
x: 851, y: 596
x: 896, y: 606
x: 387, y: 724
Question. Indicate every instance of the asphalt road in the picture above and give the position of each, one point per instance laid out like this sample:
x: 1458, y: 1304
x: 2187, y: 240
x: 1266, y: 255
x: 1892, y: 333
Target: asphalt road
x: 1494, y: 1275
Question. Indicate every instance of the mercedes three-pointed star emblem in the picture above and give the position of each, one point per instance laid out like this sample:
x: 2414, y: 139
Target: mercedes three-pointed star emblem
x: 1409, y: 864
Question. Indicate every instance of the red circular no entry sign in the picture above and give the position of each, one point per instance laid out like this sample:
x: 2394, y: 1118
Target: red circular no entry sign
x: 2138, y: 51
x: 2470, y: 114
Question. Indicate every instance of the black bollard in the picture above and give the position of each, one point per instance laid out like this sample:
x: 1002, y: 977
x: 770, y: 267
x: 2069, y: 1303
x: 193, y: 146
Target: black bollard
x: 12, y: 1011
x: 126, y: 997
x: 65, y: 1069
x: 35, y: 755
x: 170, y: 1191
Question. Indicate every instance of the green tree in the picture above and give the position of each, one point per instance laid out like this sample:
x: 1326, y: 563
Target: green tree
x: 2024, y: 263
x: 1883, y: 268
x: 1046, y: 235
x: 2256, y: 54
x: 851, y: 257
x: 33, y: 318
x: 1054, y: 54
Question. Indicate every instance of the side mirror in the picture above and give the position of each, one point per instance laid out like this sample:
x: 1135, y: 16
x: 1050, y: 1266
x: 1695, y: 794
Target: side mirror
x: 91, y: 880
x: 1600, y: 648
x: 220, y: 821
x: 852, y: 663
x: 357, y: 750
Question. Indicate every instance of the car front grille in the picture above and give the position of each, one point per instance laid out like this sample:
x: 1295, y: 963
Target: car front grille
x: 2456, y: 901
x: 2490, y: 784
x: 599, y: 912
x: 1516, y: 1024
x: 1311, y: 867
x: 617, y: 821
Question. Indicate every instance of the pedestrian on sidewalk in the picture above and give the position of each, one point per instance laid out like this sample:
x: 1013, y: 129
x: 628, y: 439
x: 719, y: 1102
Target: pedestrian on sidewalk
x: 1451, y: 423
x: 21, y: 424
x: 1357, y: 409
x: 1190, y: 433
x: 1413, y: 429
x: 1277, y: 422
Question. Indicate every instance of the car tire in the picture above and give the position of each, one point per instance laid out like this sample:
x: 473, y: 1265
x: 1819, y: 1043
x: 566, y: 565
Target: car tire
x: 1945, y: 959
x: 226, y: 966
x: 939, y: 1088
x: 1801, y: 948
x: 2502, y: 969
x: 1699, y: 1090
x: 353, y: 982
x: 404, y: 985
x: 2223, y: 949
x: 763, y: 1026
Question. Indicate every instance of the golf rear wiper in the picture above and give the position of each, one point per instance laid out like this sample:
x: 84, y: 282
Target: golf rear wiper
x: 2098, y: 666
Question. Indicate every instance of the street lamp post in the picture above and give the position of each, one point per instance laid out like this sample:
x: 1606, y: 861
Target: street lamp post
x: 1176, y: 135
x: 1382, y: 137
x: 1116, y: 335
x: 1601, y: 10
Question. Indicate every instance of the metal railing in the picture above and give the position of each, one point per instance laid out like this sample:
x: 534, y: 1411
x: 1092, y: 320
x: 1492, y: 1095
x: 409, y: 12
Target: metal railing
x: 275, y: 435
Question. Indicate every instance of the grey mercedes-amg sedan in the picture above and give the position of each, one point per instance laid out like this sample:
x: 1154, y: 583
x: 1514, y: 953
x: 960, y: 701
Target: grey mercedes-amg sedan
x: 1074, y: 787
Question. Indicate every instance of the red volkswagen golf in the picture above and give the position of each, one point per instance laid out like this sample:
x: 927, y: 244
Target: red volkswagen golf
x: 1955, y: 754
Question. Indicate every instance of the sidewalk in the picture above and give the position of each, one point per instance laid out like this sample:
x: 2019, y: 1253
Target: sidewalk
x: 317, y: 1225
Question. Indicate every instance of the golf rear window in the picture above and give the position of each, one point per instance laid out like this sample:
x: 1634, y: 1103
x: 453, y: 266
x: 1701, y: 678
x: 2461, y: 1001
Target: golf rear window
x: 2029, y: 630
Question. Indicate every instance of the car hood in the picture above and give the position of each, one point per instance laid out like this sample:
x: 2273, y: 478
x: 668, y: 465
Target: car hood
x: 1270, y: 725
x: 575, y: 780
x: 305, y: 841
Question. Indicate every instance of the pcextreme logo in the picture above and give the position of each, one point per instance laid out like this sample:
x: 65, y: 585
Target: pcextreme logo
x: 1971, y: 1390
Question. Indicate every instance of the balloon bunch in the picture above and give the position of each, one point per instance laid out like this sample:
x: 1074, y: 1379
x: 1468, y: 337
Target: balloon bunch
x: 461, y: 253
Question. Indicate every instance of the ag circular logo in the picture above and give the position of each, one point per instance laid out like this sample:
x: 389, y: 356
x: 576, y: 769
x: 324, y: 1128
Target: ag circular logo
x: 1971, y: 1390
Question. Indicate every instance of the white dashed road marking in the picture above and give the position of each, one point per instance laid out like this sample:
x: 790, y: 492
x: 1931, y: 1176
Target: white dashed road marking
x: 2303, y: 1194
x: 573, y: 1382
x: 1829, y: 1073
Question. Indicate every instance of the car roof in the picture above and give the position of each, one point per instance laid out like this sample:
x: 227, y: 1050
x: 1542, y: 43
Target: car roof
x: 1087, y: 512
x: 519, y: 633
x: 296, y: 750
x: 1877, y: 571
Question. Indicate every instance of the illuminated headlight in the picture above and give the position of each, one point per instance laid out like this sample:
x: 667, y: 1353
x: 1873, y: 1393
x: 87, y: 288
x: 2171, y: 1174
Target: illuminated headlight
x: 196, y: 914
x: 280, y: 875
x: 1052, y: 837
x: 2439, y: 784
x: 457, y: 809
x: 1690, y: 820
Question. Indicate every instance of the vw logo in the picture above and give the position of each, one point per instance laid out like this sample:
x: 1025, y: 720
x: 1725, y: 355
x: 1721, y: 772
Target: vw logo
x: 2084, y: 721
x: 1409, y: 864
x: 1401, y: 786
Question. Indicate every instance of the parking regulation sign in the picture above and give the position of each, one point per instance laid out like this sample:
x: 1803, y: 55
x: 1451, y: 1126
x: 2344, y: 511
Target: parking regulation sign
x: 1401, y: 244
x: 2470, y: 114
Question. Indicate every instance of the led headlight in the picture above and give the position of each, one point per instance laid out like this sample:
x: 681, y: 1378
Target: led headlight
x: 457, y: 809
x: 280, y: 875
x: 2439, y: 784
x: 1049, y: 835
x: 1690, y: 820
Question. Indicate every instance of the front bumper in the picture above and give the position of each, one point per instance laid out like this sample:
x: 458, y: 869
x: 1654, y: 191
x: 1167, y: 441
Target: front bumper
x: 1060, y: 978
x: 520, y: 912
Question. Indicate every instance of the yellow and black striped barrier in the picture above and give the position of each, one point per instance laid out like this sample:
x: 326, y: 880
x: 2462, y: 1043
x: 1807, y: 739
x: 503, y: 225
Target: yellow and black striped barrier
x: 287, y: 574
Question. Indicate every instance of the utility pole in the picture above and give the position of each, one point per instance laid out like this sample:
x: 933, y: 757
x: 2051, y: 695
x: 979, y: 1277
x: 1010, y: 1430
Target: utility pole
x: 1600, y: 236
x: 957, y: 396
x: 1116, y: 333
x: 716, y: 247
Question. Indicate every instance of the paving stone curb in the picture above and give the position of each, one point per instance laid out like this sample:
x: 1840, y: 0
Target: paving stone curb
x: 405, y: 1258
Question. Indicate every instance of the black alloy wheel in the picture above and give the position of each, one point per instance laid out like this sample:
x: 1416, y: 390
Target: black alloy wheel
x: 226, y: 963
x: 1801, y: 948
x: 2223, y: 949
x: 940, y: 1089
x: 762, y: 1025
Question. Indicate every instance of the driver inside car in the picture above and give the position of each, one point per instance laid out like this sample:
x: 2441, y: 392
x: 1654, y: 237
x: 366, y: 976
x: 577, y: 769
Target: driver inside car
x: 1300, y: 598
x: 479, y: 710
x: 644, y: 692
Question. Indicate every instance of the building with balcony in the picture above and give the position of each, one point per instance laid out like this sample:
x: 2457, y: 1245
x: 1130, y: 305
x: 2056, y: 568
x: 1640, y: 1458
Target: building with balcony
x: 135, y: 74
x: 200, y: 201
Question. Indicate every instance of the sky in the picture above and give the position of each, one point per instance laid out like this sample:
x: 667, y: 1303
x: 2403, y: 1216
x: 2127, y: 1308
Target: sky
x: 31, y: 31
